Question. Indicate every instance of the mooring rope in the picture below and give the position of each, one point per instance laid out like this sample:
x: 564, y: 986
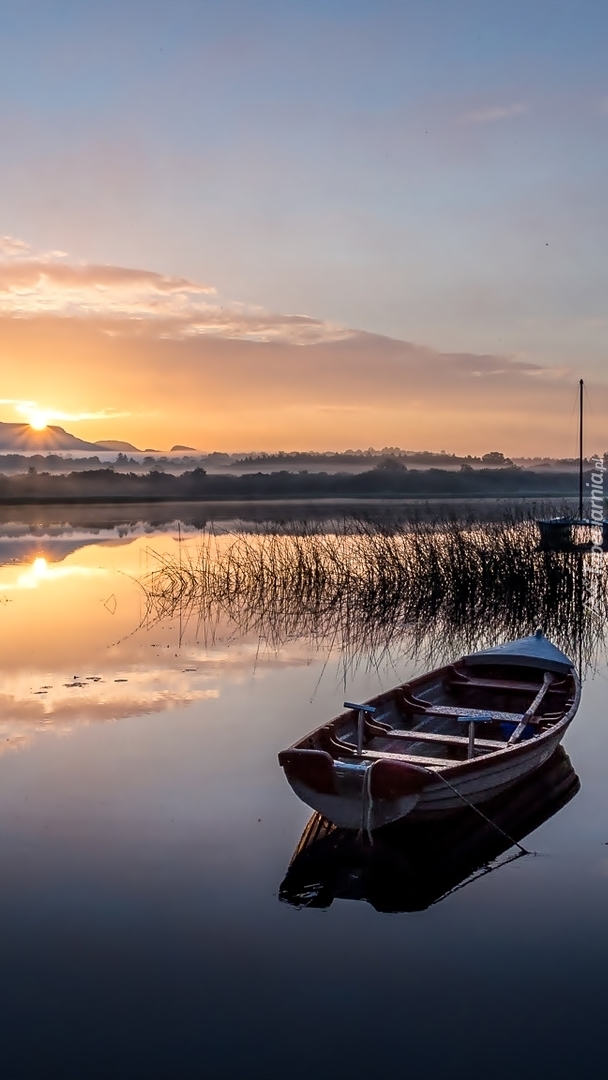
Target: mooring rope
x: 367, y: 803
x: 515, y: 843
x: 367, y: 806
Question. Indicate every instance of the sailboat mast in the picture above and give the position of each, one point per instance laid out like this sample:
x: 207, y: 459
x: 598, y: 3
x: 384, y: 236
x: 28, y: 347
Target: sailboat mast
x: 580, y: 451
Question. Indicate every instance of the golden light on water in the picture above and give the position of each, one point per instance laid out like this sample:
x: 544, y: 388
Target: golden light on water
x: 73, y: 651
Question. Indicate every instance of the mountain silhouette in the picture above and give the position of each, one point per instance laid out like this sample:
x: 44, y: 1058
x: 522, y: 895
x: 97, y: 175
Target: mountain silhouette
x: 19, y: 438
x: 117, y: 444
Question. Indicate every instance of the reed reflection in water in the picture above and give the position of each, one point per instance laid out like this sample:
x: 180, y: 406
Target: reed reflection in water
x: 415, y: 589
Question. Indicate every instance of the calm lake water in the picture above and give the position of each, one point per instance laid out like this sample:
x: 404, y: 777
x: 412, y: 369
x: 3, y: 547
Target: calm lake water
x: 146, y: 831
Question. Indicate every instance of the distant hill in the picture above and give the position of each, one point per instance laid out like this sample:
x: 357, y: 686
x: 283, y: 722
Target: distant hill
x: 178, y: 447
x: 18, y: 438
x: 118, y: 445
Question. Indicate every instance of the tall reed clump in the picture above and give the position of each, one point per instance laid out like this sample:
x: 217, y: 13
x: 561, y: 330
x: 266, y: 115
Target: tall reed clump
x: 436, y: 587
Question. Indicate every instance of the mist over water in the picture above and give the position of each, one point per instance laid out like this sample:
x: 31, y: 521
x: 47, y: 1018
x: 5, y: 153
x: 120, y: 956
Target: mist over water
x: 151, y: 671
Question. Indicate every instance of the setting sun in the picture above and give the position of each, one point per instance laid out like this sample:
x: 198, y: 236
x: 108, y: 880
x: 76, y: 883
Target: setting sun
x: 37, y: 417
x: 38, y: 420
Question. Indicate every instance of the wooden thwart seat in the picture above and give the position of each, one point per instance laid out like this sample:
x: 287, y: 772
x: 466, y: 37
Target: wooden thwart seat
x: 431, y: 736
x: 460, y: 678
x: 453, y: 710
x: 418, y: 736
x: 493, y: 684
x: 411, y: 759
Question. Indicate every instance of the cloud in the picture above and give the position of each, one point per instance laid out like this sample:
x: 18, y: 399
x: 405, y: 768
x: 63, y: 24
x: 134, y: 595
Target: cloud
x: 490, y: 114
x: 187, y: 367
x: 220, y: 391
x: 35, y: 285
x: 180, y: 307
x: 9, y: 245
x: 254, y: 325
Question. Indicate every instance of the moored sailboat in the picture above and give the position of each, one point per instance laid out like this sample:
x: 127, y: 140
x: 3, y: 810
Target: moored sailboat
x: 562, y: 533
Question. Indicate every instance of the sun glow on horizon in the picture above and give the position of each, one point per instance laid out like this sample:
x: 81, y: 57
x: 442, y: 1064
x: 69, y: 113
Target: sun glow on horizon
x: 35, y: 415
x: 37, y: 419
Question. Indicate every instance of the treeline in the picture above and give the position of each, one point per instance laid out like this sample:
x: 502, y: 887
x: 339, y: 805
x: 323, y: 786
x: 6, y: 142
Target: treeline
x: 295, y: 458
x: 106, y: 485
x: 10, y: 463
x: 49, y: 462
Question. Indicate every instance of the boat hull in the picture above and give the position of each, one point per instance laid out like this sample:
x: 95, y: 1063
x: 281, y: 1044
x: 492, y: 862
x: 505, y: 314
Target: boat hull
x: 350, y: 809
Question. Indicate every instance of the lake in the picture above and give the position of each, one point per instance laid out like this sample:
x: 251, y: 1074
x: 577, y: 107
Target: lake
x: 146, y: 832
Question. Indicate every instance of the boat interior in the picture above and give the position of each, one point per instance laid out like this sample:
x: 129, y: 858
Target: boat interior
x: 452, y: 715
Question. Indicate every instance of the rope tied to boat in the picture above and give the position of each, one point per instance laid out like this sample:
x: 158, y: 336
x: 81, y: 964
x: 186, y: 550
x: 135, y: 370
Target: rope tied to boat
x: 367, y: 804
x: 511, y: 839
x: 367, y: 807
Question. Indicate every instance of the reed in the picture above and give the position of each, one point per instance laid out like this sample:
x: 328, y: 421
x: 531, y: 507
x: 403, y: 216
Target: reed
x: 427, y: 587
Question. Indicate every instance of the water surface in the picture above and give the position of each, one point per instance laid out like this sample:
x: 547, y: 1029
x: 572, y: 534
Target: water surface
x: 146, y: 831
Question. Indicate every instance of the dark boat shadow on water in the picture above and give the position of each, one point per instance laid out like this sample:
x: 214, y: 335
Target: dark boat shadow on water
x: 412, y: 865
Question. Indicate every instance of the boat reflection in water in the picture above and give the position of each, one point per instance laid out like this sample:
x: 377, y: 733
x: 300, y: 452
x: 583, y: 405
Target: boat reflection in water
x: 412, y: 865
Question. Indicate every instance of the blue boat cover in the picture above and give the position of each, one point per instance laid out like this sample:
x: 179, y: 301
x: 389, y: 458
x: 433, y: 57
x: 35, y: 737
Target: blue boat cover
x: 533, y: 651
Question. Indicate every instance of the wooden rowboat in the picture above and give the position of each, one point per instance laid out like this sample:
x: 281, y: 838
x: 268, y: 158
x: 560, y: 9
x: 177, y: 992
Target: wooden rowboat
x: 460, y: 734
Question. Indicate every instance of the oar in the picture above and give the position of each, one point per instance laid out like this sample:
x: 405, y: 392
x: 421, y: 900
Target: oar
x: 547, y: 682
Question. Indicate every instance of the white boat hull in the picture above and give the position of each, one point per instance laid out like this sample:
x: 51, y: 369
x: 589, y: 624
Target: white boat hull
x: 351, y: 809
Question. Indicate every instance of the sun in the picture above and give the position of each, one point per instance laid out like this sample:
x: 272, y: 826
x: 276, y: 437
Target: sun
x: 37, y: 419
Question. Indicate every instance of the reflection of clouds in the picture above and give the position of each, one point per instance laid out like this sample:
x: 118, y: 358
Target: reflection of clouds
x: 33, y: 700
x: 62, y: 653
x: 65, y: 705
x: 40, y: 572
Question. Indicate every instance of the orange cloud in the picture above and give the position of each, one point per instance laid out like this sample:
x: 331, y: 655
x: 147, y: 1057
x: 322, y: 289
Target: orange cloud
x: 95, y: 344
x: 225, y: 392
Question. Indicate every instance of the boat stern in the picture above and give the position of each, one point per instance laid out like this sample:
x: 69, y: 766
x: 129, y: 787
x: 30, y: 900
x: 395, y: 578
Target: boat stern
x: 354, y: 795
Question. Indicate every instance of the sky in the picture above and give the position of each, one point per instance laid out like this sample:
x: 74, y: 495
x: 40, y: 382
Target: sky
x: 242, y: 224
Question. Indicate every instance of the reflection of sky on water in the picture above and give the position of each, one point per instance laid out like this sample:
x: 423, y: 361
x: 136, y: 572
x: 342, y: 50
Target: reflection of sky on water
x: 73, y: 650
x: 141, y: 861
x: 80, y: 643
